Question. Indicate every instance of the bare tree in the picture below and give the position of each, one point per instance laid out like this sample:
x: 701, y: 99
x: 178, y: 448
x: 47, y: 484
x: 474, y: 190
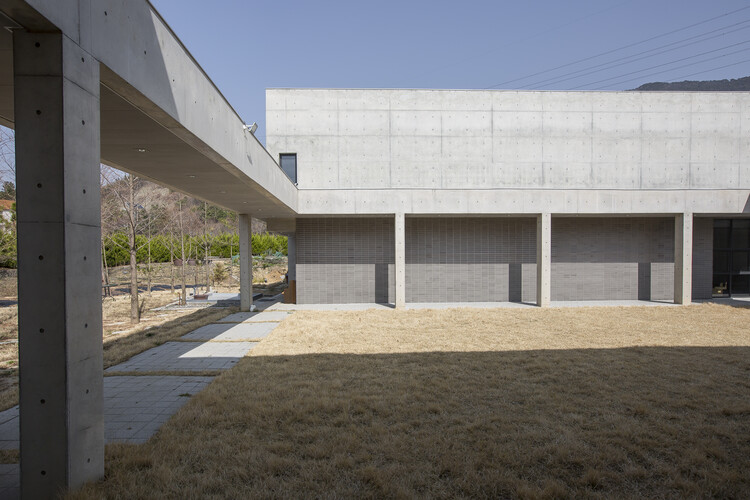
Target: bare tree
x: 171, y: 258
x: 132, y: 214
x: 109, y: 216
x: 135, y: 211
x: 183, y: 289
x: 124, y: 214
x: 206, y: 247
x: 7, y: 154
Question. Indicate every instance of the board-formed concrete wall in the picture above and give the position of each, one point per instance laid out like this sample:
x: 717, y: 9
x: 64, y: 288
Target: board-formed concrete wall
x: 612, y: 258
x: 345, y: 260
x: 488, y: 259
x: 451, y: 139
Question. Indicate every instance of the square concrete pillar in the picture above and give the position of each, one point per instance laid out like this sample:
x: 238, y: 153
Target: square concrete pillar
x: 543, y: 259
x: 246, y: 263
x: 400, y: 260
x: 59, y: 278
x: 683, y: 258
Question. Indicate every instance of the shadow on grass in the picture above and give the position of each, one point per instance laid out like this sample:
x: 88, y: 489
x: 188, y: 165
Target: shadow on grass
x: 629, y: 422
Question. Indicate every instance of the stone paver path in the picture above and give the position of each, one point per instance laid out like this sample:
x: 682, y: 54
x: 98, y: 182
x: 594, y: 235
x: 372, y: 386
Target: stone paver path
x: 10, y: 486
x: 9, y: 429
x: 260, y: 317
x: 231, y: 331
x: 135, y: 406
x: 269, y: 316
x: 237, y: 317
x: 186, y: 356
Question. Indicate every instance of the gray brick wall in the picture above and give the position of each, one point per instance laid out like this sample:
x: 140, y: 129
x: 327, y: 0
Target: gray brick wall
x: 345, y: 260
x: 612, y: 258
x: 493, y: 259
x: 703, y: 257
x: 483, y: 259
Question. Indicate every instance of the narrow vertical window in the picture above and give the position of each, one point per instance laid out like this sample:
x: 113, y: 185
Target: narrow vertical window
x: 288, y: 162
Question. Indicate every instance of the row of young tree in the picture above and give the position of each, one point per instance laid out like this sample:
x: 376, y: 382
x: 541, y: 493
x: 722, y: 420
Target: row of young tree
x: 163, y: 248
x: 146, y: 223
x: 143, y: 223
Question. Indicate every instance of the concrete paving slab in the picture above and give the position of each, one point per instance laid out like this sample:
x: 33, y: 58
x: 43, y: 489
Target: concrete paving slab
x: 10, y: 481
x: 239, y: 317
x: 476, y: 305
x: 9, y: 429
x: 268, y: 315
x: 612, y: 303
x: 727, y: 301
x: 186, y: 356
x: 134, y: 408
x: 328, y: 307
x: 232, y: 331
x: 581, y: 303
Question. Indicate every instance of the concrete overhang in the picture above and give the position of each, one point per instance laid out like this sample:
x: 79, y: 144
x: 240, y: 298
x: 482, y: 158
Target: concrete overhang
x: 162, y: 118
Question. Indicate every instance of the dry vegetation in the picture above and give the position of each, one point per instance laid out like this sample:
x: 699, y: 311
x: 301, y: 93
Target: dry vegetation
x: 593, y: 403
x: 266, y: 270
x: 122, y: 340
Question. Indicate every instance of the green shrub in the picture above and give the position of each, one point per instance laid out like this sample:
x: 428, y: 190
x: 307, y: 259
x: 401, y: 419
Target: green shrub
x: 223, y: 245
x: 220, y: 273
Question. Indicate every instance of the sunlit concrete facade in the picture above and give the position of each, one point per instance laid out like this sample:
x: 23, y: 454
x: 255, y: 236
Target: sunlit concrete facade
x: 400, y: 195
x: 510, y: 196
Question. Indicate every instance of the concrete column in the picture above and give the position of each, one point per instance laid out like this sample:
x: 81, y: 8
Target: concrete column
x: 543, y: 259
x: 291, y: 256
x: 683, y: 258
x: 400, y: 262
x: 246, y: 263
x: 59, y: 279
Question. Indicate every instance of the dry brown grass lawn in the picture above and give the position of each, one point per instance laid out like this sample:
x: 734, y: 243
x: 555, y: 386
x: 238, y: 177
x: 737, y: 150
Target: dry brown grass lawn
x: 592, y: 403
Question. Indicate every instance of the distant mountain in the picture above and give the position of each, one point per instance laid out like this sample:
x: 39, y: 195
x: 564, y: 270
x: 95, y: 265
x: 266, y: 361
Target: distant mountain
x: 738, y: 85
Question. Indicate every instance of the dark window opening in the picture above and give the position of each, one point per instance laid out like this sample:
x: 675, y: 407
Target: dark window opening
x: 288, y: 162
x: 731, y: 270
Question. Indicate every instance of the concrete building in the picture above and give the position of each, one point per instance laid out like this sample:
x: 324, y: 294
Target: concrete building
x: 492, y: 196
x: 388, y: 195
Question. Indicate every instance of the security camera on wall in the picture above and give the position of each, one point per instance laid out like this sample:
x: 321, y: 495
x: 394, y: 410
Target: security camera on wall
x: 252, y: 128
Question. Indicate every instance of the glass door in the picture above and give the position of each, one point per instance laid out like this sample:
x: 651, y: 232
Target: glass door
x: 731, y: 275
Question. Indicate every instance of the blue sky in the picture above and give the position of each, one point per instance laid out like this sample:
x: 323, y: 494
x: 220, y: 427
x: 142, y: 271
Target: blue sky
x: 246, y: 46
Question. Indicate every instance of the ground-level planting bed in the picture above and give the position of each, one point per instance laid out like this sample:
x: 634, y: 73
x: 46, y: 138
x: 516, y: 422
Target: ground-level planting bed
x: 593, y: 402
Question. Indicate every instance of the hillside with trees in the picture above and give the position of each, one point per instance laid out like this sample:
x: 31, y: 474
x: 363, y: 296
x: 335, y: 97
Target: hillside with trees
x: 733, y: 85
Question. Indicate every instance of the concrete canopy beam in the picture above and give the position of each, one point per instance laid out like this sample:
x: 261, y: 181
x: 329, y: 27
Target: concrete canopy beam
x: 60, y: 319
x: 246, y: 263
x: 162, y: 118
